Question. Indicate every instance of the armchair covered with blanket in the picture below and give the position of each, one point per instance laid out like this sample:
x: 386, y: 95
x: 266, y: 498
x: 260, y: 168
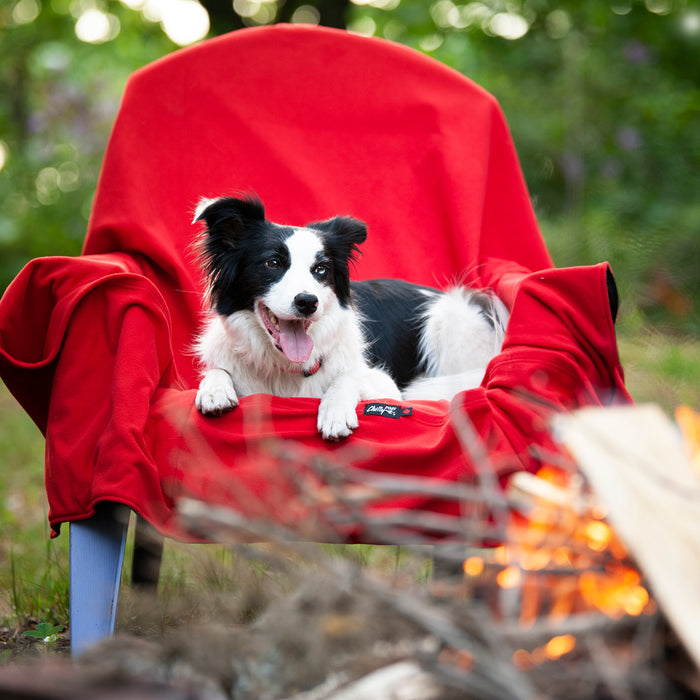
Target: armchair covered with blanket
x: 317, y: 122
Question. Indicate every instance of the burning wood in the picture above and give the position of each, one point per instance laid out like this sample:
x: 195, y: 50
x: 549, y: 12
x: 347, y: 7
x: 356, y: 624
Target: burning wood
x: 641, y: 471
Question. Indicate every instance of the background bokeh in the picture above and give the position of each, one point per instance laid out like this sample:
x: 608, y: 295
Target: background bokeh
x: 603, y: 99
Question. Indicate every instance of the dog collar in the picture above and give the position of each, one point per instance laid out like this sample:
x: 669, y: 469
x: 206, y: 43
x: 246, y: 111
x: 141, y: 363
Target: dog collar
x: 314, y: 368
x: 306, y: 372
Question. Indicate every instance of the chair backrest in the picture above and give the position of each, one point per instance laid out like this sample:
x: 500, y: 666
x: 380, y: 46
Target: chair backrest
x: 317, y: 122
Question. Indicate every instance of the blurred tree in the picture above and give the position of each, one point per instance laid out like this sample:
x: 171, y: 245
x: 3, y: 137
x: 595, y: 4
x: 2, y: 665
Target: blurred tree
x: 58, y: 99
x: 603, y: 99
x: 330, y: 13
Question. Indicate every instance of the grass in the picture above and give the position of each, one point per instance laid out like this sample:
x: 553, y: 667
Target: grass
x: 33, y: 581
x: 660, y: 366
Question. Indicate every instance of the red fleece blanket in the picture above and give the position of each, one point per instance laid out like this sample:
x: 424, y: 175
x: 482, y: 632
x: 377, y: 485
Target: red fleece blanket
x: 317, y: 122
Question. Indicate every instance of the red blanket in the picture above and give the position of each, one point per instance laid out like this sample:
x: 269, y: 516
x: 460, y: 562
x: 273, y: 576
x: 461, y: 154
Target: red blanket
x: 317, y: 122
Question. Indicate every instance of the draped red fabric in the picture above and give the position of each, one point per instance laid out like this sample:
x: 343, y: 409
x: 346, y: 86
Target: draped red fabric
x: 317, y: 122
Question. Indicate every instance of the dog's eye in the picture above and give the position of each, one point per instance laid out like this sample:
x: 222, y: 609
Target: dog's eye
x: 272, y: 263
x: 321, y: 270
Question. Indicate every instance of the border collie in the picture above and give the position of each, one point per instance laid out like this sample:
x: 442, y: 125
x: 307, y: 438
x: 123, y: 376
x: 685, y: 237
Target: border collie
x: 286, y: 320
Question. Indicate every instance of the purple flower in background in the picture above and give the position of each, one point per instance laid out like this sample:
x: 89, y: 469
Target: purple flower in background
x: 637, y: 52
x: 628, y: 138
x: 572, y: 166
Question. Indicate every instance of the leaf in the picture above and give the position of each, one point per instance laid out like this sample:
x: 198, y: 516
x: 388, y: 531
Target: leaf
x: 45, y: 631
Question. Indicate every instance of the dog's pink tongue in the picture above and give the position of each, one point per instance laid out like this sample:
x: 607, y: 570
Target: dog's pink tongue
x: 295, y: 342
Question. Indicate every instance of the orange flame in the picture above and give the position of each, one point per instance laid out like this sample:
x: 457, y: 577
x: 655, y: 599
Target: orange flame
x: 509, y: 577
x: 566, y: 559
x: 689, y: 423
x: 560, y: 645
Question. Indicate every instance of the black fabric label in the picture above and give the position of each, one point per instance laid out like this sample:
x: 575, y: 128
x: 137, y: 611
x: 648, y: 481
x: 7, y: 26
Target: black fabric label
x: 387, y: 410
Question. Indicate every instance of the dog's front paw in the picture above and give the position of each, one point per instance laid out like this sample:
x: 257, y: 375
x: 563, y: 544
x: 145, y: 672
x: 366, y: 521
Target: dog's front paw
x: 216, y: 394
x: 337, y: 416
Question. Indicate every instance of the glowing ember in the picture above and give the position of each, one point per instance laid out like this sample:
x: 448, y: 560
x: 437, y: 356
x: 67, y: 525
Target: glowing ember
x: 560, y: 645
x: 598, y: 535
x: 509, y: 577
x: 473, y: 566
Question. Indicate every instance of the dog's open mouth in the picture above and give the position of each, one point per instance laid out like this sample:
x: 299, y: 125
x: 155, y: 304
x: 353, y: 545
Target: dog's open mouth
x: 289, y: 335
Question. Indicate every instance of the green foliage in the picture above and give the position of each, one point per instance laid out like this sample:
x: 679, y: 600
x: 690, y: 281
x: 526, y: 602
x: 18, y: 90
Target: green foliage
x: 602, y: 97
x: 59, y: 98
x: 33, y: 568
x: 38, y: 586
x: 603, y: 100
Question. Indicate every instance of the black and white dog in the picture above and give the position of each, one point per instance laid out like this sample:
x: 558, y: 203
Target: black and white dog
x: 286, y: 320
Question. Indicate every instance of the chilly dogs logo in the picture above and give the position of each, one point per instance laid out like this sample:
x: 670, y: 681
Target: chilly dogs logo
x: 386, y: 410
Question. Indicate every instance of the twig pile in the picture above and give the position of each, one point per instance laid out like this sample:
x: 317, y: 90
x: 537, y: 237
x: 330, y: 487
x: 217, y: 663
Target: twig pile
x: 557, y: 609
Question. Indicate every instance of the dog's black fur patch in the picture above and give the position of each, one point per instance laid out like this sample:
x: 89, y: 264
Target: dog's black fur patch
x: 392, y: 315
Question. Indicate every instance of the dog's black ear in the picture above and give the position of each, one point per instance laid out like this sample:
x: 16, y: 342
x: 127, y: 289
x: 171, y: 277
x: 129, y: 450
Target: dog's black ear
x: 227, y: 219
x: 229, y: 214
x: 342, y: 237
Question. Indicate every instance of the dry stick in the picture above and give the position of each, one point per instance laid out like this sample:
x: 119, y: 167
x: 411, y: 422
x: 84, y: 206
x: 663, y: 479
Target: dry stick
x: 378, y: 487
x: 646, y: 630
x: 544, y: 629
x: 616, y: 683
x: 389, y: 525
x: 230, y: 528
x: 501, y: 678
x: 473, y: 447
x: 399, y: 484
x: 492, y: 678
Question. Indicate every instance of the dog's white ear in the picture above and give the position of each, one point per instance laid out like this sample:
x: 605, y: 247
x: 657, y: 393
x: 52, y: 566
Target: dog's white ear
x: 204, y: 204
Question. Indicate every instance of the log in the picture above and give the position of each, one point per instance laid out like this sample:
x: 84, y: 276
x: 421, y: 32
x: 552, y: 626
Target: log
x: 403, y: 679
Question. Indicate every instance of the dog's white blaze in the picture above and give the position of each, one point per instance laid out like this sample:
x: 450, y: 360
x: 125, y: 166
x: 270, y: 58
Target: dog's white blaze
x: 304, y: 247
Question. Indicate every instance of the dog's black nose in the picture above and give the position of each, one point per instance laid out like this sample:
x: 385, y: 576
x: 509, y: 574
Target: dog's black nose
x: 305, y: 304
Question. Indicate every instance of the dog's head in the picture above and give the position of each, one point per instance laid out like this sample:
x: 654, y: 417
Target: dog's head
x: 289, y: 277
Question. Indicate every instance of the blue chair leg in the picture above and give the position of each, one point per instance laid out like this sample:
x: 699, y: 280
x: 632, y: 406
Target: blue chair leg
x: 96, y: 558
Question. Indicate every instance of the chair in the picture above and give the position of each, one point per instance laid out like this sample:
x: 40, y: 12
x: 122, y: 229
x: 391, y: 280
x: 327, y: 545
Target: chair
x: 317, y: 122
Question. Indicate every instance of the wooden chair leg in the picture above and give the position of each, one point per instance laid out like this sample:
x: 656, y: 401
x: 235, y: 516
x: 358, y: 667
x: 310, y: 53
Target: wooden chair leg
x: 448, y: 560
x: 96, y: 558
x: 148, y: 553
